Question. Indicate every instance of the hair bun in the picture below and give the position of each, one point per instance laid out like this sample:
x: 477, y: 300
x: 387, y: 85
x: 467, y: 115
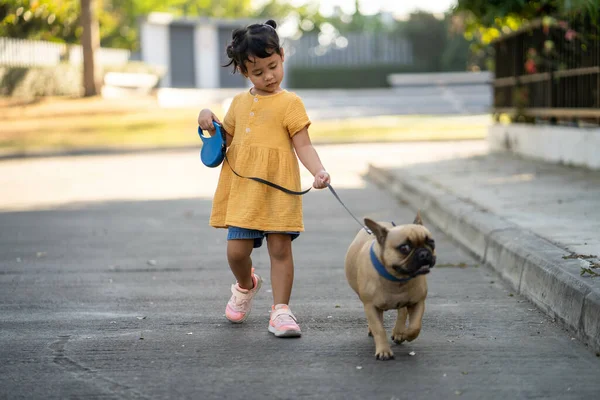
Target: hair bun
x: 230, y: 51
x: 238, y: 34
x: 271, y: 23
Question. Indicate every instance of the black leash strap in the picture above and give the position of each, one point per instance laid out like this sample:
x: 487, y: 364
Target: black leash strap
x: 349, y: 212
x: 273, y: 185
x: 292, y: 192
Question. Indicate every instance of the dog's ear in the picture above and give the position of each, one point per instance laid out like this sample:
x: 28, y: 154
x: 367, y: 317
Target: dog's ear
x: 418, y: 220
x: 379, y: 231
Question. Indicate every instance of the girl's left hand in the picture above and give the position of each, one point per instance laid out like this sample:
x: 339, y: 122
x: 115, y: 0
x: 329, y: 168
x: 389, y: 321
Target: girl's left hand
x: 322, y: 179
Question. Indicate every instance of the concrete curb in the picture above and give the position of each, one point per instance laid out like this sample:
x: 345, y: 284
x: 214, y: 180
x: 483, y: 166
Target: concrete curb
x: 533, y: 266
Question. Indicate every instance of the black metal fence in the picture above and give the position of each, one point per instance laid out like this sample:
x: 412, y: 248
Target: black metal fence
x: 549, y: 69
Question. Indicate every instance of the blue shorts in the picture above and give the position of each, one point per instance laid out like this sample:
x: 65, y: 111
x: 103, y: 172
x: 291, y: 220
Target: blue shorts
x: 233, y: 233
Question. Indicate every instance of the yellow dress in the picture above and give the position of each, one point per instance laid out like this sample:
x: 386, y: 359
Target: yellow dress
x: 262, y: 128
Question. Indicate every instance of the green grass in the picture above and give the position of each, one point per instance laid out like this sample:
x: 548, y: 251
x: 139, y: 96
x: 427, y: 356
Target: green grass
x: 63, y: 124
x: 400, y: 128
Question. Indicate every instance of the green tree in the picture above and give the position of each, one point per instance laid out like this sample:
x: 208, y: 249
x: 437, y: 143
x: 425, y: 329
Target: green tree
x: 486, y: 20
x: 53, y: 20
x: 428, y: 37
x: 437, y: 44
x: 492, y: 12
x: 60, y: 20
x: 483, y: 21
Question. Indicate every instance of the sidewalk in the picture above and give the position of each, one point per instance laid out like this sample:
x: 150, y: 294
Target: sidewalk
x: 536, y: 224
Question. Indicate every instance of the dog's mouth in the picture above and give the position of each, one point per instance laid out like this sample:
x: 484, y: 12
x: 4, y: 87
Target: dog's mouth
x: 423, y: 270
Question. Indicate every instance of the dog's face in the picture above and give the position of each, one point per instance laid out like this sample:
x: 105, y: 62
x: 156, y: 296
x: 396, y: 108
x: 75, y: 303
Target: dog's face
x: 407, y: 250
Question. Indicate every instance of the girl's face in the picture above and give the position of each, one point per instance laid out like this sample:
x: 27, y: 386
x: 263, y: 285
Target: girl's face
x: 265, y: 74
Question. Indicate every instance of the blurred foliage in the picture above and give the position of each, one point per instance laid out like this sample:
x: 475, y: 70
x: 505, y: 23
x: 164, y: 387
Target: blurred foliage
x: 435, y: 46
x: 483, y: 21
x: 492, y: 13
x: 60, y: 80
x: 52, y: 20
x: 428, y: 36
x: 58, y: 20
x: 31, y: 82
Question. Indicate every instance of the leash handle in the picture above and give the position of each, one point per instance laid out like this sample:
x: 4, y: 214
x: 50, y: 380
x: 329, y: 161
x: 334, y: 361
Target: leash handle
x: 349, y: 212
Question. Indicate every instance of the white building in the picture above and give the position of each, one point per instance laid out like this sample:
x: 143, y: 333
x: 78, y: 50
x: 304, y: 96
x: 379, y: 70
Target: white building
x: 191, y: 50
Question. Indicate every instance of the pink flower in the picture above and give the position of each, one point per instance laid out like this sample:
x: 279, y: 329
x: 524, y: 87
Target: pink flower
x: 530, y: 66
x: 570, y: 34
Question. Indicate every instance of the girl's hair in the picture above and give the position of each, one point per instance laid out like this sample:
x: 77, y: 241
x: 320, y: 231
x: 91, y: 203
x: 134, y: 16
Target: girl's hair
x: 257, y: 40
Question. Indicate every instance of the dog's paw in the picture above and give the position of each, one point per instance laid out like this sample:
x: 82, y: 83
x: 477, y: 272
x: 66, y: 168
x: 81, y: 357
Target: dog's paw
x: 398, y: 337
x: 384, y: 354
x: 408, y: 335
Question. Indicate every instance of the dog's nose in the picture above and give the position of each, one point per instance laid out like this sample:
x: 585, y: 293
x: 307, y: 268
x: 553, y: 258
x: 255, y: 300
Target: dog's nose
x: 424, y: 256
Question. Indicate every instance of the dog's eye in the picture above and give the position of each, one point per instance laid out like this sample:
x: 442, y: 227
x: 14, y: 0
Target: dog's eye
x: 404, y: 249
x: 431, y: 243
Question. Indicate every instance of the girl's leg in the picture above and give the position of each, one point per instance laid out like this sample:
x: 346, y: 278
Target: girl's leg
x: 238, y: 256
x: 282, y: 322
x: 282, y: 266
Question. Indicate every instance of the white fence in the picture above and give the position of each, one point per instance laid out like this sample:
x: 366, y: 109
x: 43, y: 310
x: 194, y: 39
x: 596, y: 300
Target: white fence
x: 35, y: 53
x: 351, y: 50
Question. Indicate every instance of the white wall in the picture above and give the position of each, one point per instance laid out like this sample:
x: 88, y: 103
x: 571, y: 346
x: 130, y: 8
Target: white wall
x: 206, y: 56
x: 573, y: 146
x: 155, y: 48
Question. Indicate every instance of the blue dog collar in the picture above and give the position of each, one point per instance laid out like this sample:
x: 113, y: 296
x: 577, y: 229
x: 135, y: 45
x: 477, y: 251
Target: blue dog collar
x: 381, y: 269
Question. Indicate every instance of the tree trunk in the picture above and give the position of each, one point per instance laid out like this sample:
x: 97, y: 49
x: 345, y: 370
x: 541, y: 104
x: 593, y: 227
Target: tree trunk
x: 90, y: 41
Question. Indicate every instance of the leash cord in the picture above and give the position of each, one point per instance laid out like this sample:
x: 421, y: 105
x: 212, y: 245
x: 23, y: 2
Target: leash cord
x: 273, y: 185
x: 349, y: 212
x: 292, y: 192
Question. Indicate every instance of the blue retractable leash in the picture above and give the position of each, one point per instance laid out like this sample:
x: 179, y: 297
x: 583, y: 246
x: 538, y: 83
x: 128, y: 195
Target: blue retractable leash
x: 214, y: 151
x: 213, y: 147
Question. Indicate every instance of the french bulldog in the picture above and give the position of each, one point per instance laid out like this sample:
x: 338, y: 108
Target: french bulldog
x: 387, y: 268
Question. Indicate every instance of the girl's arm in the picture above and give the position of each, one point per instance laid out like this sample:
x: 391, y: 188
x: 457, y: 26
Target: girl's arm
x: 310, y: 159
x: 205, y: 121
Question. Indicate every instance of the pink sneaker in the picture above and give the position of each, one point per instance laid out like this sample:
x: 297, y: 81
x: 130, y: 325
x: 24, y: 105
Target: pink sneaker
x: 283, y: 323
x: 240, y: 303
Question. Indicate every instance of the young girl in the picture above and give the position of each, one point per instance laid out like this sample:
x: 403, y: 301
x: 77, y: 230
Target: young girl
x: 266, y: 127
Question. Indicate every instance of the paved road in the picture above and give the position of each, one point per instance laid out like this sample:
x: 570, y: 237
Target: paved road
x: 428, y: 100
x: 112, y: 286
x: 337, y: 103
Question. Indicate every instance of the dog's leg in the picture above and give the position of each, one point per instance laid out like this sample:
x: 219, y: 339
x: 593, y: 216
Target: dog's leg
x: 400, y: 327
x: 375, y: 320
x: 415, y: 316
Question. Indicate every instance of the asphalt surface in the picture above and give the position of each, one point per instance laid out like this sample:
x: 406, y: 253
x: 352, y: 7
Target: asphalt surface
x: 109, y: 298
x: 409, y: 100
x: 325, y: 104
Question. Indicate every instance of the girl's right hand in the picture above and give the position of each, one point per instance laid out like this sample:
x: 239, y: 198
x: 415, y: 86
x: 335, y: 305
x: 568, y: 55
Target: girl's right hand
x: 205, y: 121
